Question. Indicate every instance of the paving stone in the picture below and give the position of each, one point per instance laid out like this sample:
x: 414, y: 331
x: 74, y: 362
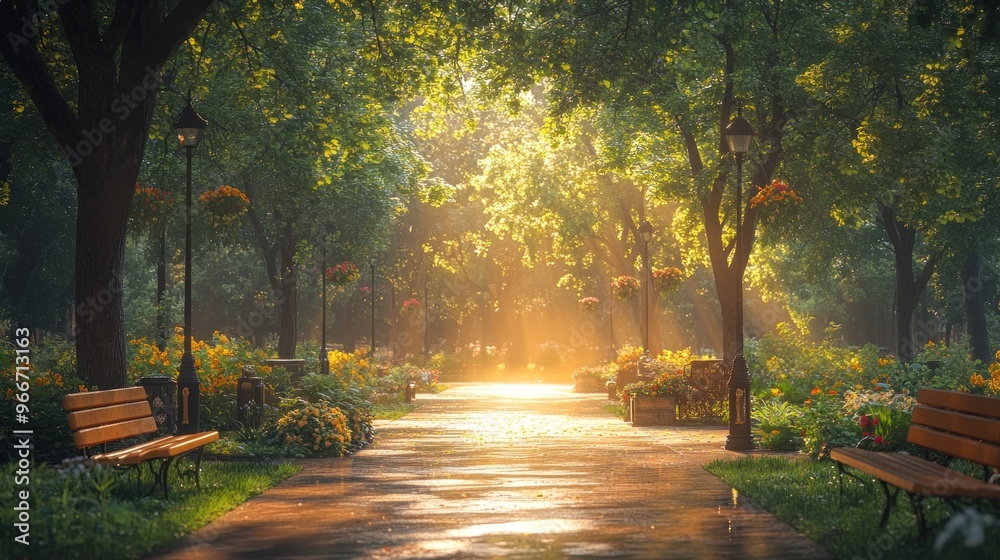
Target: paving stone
x: 529, y: 471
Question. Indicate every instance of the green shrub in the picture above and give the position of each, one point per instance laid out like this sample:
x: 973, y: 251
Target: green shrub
x: 778, y: 425
x: 312, y: 429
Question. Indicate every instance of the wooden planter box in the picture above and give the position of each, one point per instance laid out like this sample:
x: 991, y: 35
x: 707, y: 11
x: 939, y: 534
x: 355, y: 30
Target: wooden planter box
x: 652, y: 411
x: 588, y: 384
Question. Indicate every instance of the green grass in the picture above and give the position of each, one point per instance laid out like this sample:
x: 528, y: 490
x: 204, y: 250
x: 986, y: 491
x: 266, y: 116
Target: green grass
x: 97, y: 514
x: 392, y: 411
x: 805, y: 495
x: 616, y: 410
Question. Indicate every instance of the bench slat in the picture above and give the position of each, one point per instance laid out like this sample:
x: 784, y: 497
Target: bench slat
x: 173, y: 446
x: 979, y: 405
x: 915, y: 475
x: 957, y: 446
x: 91, y: 417
x: 162, y: 448
x: 976, y: 427
x: 90, y: 437
x: 96, y: 399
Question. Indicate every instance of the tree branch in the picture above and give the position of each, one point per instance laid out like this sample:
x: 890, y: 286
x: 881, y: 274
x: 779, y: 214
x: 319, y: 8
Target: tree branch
x: 161, y: 39
x: 18, y: 50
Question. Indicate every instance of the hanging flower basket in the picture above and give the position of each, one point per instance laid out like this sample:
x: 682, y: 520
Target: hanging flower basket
x: 625, y: 287
x: 775, y: 192
x: 342, y: 274
x: 411, y: 305
x: 224, y: 205
x: 148, y: 205
x: 588, y: 303
x: 668, y: 280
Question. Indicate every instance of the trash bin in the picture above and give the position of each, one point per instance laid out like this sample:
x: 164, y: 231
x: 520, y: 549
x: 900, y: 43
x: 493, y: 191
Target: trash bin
x: 409, y: 391
x: 250, y: 399
x: 160, y: 391
x: 294, y: 366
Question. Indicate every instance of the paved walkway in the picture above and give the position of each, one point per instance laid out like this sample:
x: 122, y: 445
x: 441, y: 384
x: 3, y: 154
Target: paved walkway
x: 506, y: 471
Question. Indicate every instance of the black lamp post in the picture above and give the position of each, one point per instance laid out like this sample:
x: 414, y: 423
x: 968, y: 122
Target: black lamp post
x: 427, y: 309
x: 646, y: 233
x: 324, y: 360
x: 738, y: 134
x: 189, y: 126
x: 371, y: 263
x: 611, y: 322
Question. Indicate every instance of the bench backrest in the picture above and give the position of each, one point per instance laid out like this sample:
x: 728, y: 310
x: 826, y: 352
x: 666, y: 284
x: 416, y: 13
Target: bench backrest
x: 100, y: 417
x: 958, y: 424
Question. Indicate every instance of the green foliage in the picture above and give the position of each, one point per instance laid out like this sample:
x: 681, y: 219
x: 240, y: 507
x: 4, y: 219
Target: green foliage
x: 826, y: 425
x: 605, y: 372
x: 308, y: 428
x: 777, y: 424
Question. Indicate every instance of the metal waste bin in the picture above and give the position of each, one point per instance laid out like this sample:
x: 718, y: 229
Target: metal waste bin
x: 160, y: 391
x: 250, y: 399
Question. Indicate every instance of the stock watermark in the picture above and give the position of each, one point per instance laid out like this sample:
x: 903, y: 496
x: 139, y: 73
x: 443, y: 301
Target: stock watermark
x: 121, y: 107
x: 87, y: 311
x: 22, y: 435
x: 31, y: 27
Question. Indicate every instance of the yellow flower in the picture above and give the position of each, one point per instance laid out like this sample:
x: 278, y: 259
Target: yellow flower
x: 977, y: 380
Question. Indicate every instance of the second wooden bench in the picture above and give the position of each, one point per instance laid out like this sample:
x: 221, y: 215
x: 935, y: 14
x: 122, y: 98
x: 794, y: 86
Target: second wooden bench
x: 100, y: 418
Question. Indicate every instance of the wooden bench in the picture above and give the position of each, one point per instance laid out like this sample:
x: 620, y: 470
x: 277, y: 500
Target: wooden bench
x: 99, y: 418
x: 949, y: 423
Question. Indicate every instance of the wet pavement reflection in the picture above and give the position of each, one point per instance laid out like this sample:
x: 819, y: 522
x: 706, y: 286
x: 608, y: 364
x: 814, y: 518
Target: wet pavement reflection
x: 507, y: 471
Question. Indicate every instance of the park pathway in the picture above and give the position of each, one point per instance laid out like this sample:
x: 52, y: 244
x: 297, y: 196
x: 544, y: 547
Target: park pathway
x: 506, y: 471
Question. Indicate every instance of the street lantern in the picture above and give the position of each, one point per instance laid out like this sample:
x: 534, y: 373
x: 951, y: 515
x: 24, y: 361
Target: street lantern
x: 738, y: 134
x: 646, y: 231
x: 190, y: 128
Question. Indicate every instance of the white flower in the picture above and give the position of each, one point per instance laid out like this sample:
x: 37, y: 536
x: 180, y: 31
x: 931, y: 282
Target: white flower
x: 971, y: 523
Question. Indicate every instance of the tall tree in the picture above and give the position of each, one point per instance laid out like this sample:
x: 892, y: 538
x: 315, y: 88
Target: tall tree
x: 116, y: 51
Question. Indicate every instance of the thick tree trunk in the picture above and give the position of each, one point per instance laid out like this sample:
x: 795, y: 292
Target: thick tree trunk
x: 288, y: 318
x: 102, y: 220
x: 975, y: 309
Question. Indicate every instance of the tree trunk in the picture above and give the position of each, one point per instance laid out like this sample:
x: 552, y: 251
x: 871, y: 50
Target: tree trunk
x: 908, y: 288
x: 101, y: 223
x: 345, y: 320
x: 975, y: 309
x: 288, y: 319
x: 161, y: 288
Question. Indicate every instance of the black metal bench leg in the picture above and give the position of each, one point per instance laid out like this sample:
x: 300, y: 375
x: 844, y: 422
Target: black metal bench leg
x: 164, y: 475
x: 918, y: 509
x: 890, y: 500
x: 197, y: 468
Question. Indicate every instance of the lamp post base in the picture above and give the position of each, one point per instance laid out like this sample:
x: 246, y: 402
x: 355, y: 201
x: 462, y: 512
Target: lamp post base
x: 736, y: 442
x: 740, y: 436
x: 188, y: 397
